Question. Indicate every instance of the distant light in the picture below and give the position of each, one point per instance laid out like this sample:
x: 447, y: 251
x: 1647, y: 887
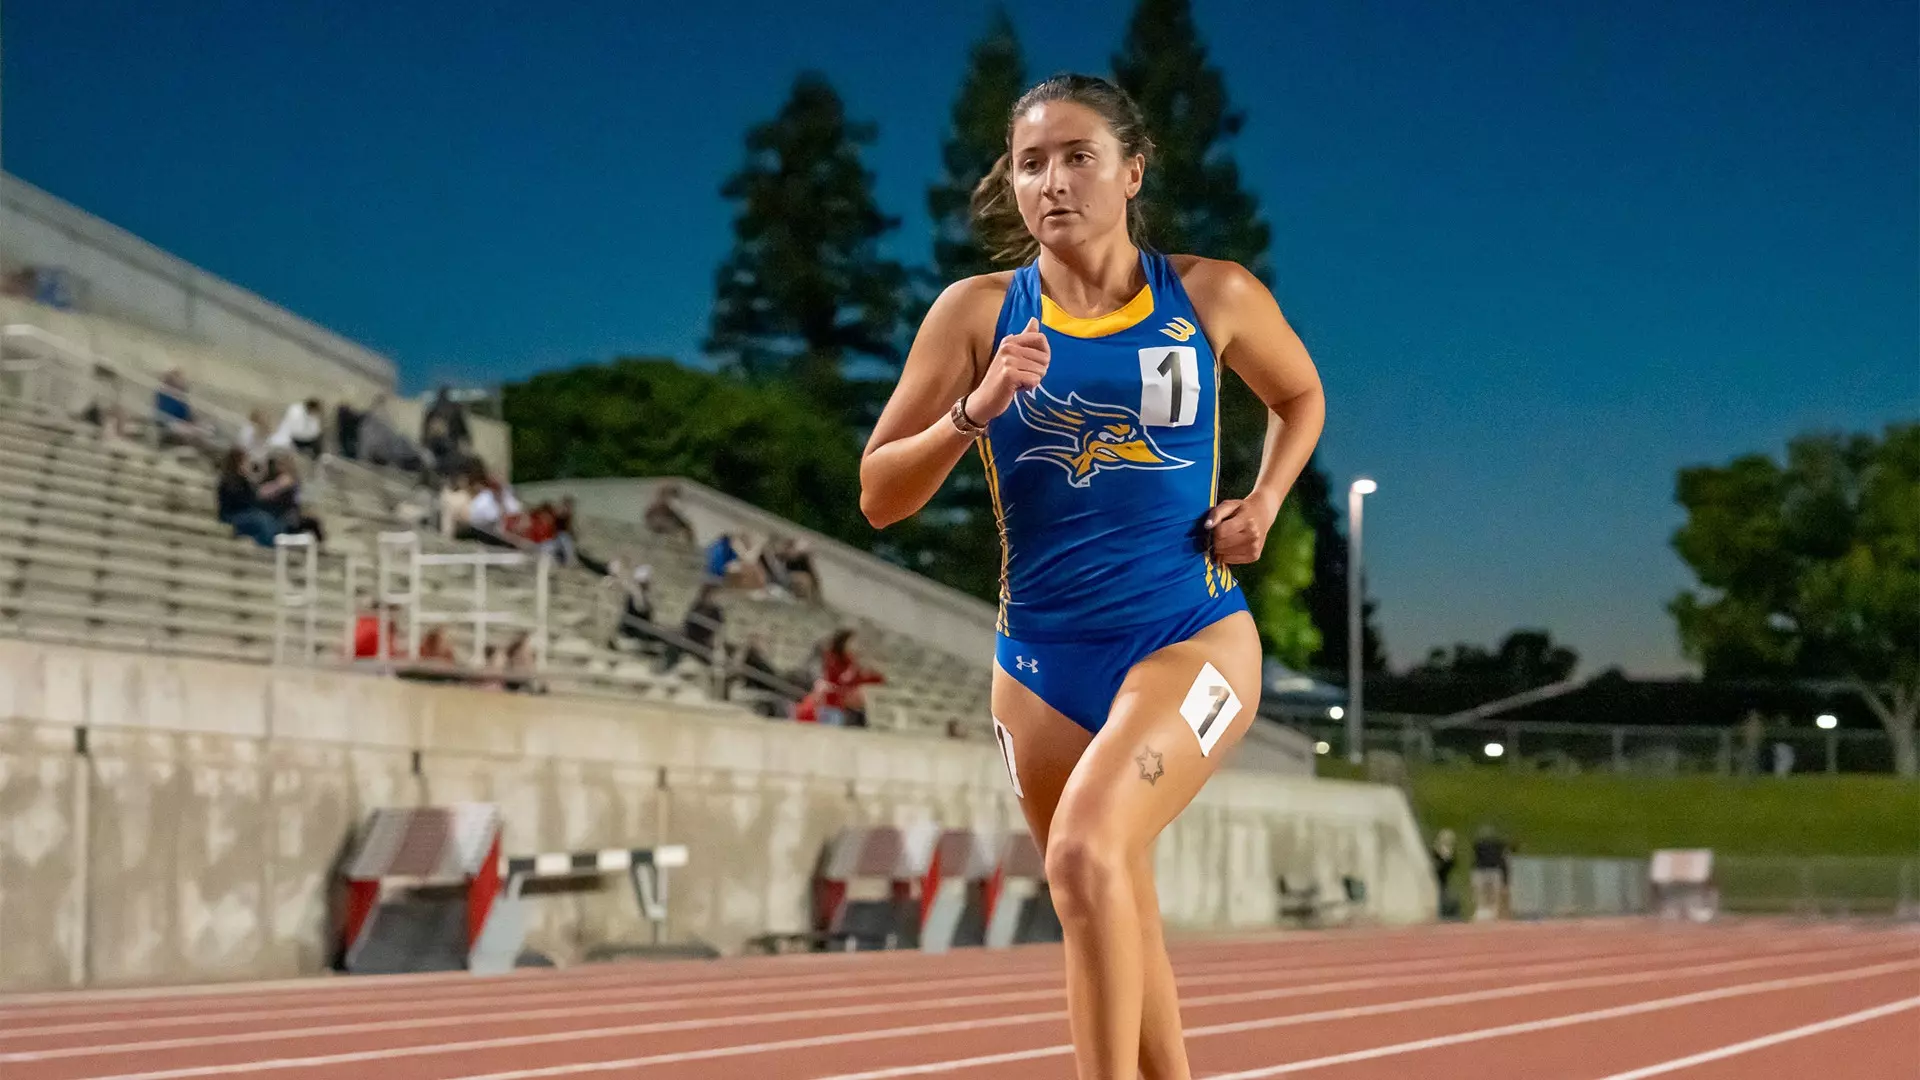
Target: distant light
x: 1494, y: 749
x: 1323, y: 747
x: 1826, y: 721
x: 1337, y: 713
x: 1365, y: 486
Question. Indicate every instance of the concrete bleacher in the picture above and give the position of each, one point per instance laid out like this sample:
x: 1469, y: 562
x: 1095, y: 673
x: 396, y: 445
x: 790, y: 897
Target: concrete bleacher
x: 112, y: 542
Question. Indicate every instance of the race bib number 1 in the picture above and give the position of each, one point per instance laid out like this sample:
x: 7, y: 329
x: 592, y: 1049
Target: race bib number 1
x: 1210, y: 707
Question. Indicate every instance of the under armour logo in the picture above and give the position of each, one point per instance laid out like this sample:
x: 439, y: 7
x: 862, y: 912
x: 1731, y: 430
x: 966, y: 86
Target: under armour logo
x: 1021, y: 663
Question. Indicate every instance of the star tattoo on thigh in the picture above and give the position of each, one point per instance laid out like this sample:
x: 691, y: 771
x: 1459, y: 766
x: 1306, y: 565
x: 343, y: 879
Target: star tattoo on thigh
x: 1150, y: 767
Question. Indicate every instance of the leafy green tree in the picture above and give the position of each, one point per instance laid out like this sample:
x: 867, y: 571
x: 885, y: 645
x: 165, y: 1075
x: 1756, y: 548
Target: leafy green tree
x: 995, y: 77
x: 1811, y: 570
x: 955, y: 540
x: 1279, y: 605
x: 1525, y: 660
x: 654, y: 417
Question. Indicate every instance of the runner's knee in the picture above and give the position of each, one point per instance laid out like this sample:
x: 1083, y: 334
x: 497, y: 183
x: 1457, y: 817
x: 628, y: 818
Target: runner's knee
x: 1086, y: 870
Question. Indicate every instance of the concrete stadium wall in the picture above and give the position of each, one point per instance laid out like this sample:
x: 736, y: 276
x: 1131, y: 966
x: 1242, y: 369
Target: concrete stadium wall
x: 857, y: 583
x: 171, y: 820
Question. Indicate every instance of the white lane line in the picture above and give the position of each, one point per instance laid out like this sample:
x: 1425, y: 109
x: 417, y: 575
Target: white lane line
x: 475, y: 998
x: 1591, y: 1016
x: 1287, y: 944
x: 1764, y: 1041
x: 1351, y: 1013
x: 1395, y: 975
x: 642, y: 997
x: 808, y: 969
x: 803, y: 970
x: 561, y: 1006
x: 575, y: 1036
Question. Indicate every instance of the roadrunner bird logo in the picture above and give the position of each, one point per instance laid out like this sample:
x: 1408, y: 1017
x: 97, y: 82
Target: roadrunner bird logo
x: 1098, y: 436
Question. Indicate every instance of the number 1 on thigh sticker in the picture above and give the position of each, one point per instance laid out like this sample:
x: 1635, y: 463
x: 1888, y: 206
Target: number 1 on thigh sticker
x: 1210, y: 707
x: 1005, y: 738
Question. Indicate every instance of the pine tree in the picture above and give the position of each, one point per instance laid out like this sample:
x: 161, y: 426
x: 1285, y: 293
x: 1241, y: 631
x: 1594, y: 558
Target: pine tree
x: 1196, y: 205
x: 955, y: 539
x: 805, y: 290
x: 995, y: 78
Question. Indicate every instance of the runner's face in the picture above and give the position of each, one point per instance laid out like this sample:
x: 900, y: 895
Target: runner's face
x: 1070, y: 175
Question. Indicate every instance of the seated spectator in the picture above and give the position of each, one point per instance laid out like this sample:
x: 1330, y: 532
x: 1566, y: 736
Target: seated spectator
x: 103, y: 409
x: 253, y: 436
x: 539, y: 526
x: 662, y: 519
x: 494, y: 515
x: 455, y: 500
x: 747, y: 662
x: 279, y: 495
x: 436, y: 649
x: 802, y: 579
x: 636, y: 609
x: 173, y: 416
x: 518, y: 662
x: 566, y: 540
x: 788, y: 569
x: 726, y: 565
x: 366, y: 635
x: 701, y: 628
x: 842, y: 682
x: 771, y: 562
x: 380, y: 443
x: 237, y: 501
x: 302, y: 428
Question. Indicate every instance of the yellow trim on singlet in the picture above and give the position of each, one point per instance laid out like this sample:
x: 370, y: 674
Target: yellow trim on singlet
x: 985, y: 446
x: 1219, y: 579
x: 1136, y: 311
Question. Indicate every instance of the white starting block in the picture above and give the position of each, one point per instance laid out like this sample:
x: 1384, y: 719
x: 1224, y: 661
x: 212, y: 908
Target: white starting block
x: 1018, y: 907
x: 1682, y: 884
x: 952, y: 895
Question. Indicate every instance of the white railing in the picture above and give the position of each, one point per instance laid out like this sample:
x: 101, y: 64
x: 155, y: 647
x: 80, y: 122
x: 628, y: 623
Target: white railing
x: 402, y: 565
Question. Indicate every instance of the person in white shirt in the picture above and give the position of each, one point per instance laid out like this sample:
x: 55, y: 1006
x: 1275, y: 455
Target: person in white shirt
x: 492, y: 505
x: 301, y: 428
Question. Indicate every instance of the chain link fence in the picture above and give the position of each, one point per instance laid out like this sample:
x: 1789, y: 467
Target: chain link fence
x: 1628, y: 749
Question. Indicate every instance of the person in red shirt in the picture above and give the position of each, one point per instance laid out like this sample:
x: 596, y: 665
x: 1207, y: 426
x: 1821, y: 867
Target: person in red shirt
x: 844, y: 678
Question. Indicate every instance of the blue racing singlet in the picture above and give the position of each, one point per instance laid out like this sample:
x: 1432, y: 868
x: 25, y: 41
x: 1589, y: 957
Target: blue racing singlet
x: 1102, y: 476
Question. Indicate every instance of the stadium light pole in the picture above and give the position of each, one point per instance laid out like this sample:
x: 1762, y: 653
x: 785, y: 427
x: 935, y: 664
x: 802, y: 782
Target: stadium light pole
x: 1356, y: 492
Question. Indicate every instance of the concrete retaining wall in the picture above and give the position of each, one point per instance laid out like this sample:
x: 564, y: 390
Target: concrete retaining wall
x: 171, y: 820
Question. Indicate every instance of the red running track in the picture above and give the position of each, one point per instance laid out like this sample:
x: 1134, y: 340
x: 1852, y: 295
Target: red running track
x: 1614, y: 1000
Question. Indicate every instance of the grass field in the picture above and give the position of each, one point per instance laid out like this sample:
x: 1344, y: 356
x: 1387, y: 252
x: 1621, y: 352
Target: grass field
x: 1628, y: 816
x: 1802, y: 843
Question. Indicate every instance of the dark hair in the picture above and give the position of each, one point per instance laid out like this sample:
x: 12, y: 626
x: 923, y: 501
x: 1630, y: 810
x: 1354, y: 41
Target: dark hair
x: 996, y: 216
x: 837, y: 644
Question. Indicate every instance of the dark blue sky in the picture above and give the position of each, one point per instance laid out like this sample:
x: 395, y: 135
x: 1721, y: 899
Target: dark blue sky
x: 1544, y: 254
